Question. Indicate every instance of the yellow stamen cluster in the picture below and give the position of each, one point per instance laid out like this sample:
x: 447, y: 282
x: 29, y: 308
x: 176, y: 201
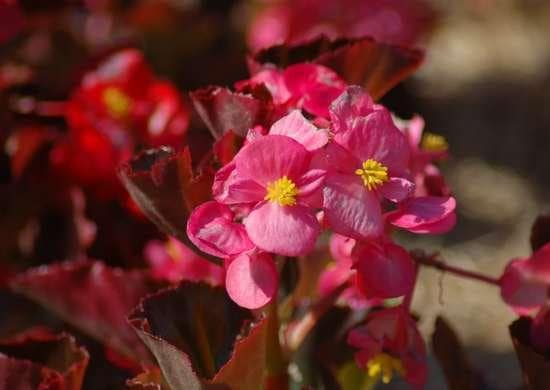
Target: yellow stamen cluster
x: 282, y: 191
x: 383, y: 366
x: 117, y: 102
x: 434, y: 143
x: 373, y: 174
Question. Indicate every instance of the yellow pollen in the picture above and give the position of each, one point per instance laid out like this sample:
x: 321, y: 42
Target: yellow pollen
x: 117, y: 102
x: 434, y: 143
x: 373, y: 174
x: 173, y: 251
x: 383, y: 366
x: 282, y: 191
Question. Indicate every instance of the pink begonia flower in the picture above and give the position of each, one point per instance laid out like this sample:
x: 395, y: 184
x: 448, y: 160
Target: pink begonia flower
x: 384, y: 269
x: 389, y: 343
x: 308, y: 86
x: 273, y: 175
x: 426, y: 148
x: 425, y: 215
x: 252, y: 279
x: 211, y: 228
x: 173, y: 261
x: 226, y: 188
x: 525, y: 283
x: 391, y: 21
x: 367, y: 161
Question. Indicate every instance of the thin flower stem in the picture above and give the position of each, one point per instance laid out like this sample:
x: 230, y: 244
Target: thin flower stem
x: 298, y: 330
x: 432, y: 261
x: 277, y: 377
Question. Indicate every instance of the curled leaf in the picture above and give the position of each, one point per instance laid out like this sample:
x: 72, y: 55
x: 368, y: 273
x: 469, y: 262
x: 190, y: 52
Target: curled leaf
x: 376, y: 66
x: 39, y: 359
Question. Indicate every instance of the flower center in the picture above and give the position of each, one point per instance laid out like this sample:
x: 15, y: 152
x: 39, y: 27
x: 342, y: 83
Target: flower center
x: 434, y: 143
x: 282, y: 191
x: 117, y: 102
x: 384, y: 366
x: 373, y: 173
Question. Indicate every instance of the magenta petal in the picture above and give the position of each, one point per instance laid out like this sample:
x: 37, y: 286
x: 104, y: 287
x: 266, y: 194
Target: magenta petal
x: 295, y: 126
x: 332, y: 278
x: 252, y: 280
x: 384, y: 270
x: 428, y: 214
x: 397, y: 189
x: 284, y: 230
x: 270, y: 158
x: 341, y: 248
x: 310, y: 186
x: 521, y: 289
x: 376, y: 137
x: 350, y: 208
x: 211, y: 228
x: 335, y: 158
x: 354, y: 102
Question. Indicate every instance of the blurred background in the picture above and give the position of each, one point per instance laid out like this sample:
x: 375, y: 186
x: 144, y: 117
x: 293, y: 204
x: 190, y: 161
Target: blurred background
x: 484, y: 85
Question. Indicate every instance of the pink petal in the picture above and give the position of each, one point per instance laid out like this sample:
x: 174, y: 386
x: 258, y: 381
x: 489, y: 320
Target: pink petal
x: 341, y: 248
x: 252, y: 280
x: 521, y: 289
x: 354, y: 102
x: 284, y: 230
x: 384, y: 270
x: 316, y: 84
x: 295, y: 126
x: 332, y: 278
x: 376, y: 137
x: 428, y: 214
x: 211, y: 228
x: 335, y: 158
x: 273, y: 80
x: 310, y: 188
x: 350, y: 208
x: 414, y: 130
x: 270, y: 158
x: 397, y: 189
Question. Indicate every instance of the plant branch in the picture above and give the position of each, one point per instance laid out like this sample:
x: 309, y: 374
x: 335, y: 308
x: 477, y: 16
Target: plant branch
x: 298, y: 330
x: 433, y: 261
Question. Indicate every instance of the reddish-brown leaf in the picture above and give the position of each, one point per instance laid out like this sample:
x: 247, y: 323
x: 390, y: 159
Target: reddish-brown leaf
x: 91, y: 297
x: 149, y: 380
x: 165, y: 187
x: 376, y: 66
x: 223, y: 110
x: 38, y: 359
x: 196, y: 334
x: 535, y: 366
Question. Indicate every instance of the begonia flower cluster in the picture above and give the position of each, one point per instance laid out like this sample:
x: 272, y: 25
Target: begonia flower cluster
x: 347, y: 168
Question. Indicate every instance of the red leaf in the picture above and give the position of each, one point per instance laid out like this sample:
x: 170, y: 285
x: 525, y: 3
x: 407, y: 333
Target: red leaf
x: 193, y: 330
x: 376, y: 66
x: 223, y: 110
x: 535, y: 367
x: 38, y: 359
x: 165, y: 187
x: 91, y: 297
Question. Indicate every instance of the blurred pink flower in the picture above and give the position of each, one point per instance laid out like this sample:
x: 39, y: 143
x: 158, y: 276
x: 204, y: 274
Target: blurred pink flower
x: 389, y: 343
x: 173, y: 261
x: 391, y: 21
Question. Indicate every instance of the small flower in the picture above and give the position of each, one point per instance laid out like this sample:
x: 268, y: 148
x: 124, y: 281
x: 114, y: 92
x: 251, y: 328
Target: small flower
x: 389, y: 344
x: 366, y: 161
x: 173, y: 261
x: 307, y: 86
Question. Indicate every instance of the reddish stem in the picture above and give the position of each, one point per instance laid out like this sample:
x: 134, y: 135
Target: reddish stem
x: 432, y: 261
x: 298, y: 330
